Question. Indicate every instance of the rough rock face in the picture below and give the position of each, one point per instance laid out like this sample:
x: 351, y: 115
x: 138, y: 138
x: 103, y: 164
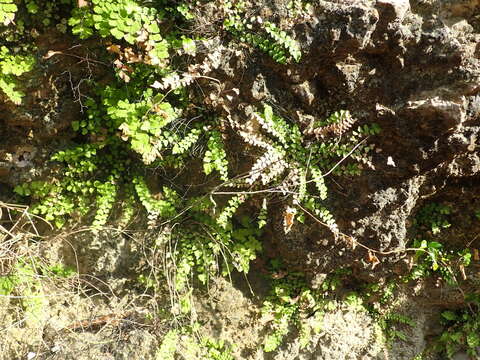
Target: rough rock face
x: 413, y: 68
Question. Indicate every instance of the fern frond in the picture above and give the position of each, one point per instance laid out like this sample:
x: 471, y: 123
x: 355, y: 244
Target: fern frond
x: 255, y: 140
x: 106, y: 198
x: 322, y: 213
x: 174, y: 81
x: 263, y: 215
x: 215, y: 157
x: 338, y: 124
x: 154, y: 207
x: 267, y: 167
x: 319, y: 181
x: 187, y: 142
x: 228, y: 211
x: 273, y: 124
x: 302, y: 188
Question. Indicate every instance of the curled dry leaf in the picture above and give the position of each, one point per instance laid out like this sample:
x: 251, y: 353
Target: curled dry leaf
x: 372, y: 258
x: 351, y: 242
x: 114, y: 49
x: 130, y: 56
x: 288, y: 219
x: 279, y: 275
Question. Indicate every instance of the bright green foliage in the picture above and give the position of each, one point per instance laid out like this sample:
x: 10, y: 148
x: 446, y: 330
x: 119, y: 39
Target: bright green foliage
x: 336, y: 117
x: 319, y: 181
x: 76, y: 189
x: 245, y: 244
x: 432, y: 257
x: 156, y: 207
x: 215, y: 157
x: 23, y: 281
x: 232, y: 205
x: 82, y: 23
x: 169, y: 346
x: 7, y: 284
x: 335, y: 279
x: 96, y: 172
x: 288, y: 156
x: 61, y: 270
x: 52, y: 204
x: 107, y: 193
x: 133, y: 130
x: 124, y: 20
x: 279, y: 128
x: 216, y: 350
x: 12, y: 66
x: 297, y: 8
x: 185, y: 10
x: 262, y: 217
x: 142, y: 125
x: 384, y: 294
x: 8, y: 8
x: 284, y: 44
x: 186, y: 142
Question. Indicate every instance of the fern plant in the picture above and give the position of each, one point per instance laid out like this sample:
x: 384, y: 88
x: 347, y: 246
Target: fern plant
x: 8, y: 8
x: 268, y: 37
x: 12, y: 66
x: 204, y: 248
x: 199, y: 348
x: 462, y: 330
x: 215, y: 157
x: 124, y: 20
x: 290, y: 303
x: 296, y: 167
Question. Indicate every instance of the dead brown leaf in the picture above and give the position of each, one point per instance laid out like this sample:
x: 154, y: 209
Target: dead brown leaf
x: 372, y: 258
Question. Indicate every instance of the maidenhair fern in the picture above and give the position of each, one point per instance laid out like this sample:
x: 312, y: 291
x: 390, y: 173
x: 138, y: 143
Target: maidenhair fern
x: 186, y: 142
x: 319, y: 181
x: 155, y: 207
x: 12, y: 66
x: 227, y: 213
x: 123, y: 20
x: 291, y: 164
x: 107, y: 193
x: 215, y: 157
x: 284, y: 46
x: 8, y: 8
x: 264, y: 35
x: 145, y: 121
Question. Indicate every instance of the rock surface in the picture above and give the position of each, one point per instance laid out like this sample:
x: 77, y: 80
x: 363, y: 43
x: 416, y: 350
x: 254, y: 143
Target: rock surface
x: 413, y: 67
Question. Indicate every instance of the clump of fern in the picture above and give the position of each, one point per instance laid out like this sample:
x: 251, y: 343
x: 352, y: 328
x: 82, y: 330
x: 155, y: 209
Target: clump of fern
x: 297, y: 167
